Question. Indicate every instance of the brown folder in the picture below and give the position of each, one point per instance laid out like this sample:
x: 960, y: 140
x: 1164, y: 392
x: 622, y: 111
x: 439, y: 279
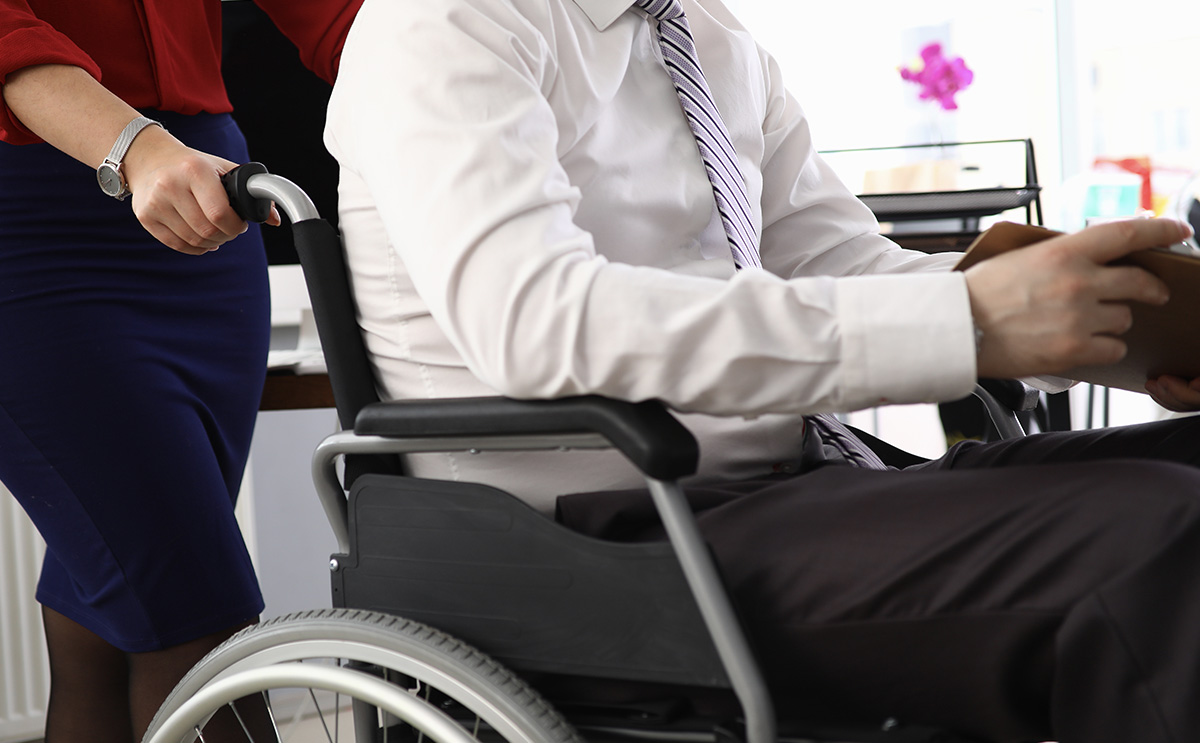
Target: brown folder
x: 1161, y: 340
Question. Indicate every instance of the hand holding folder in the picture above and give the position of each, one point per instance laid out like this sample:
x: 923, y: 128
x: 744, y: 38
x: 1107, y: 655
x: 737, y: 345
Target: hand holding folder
x: 1162, y: 339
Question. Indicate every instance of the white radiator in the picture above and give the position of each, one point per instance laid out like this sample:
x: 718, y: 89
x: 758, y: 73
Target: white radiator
x: 24, y: 675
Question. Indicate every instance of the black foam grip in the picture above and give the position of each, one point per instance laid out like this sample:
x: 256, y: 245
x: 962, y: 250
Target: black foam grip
x: 248, y: 207
x: 350, y: 373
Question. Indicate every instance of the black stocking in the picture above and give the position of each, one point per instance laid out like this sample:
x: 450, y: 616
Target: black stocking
x: 153, y: 675
x: 89, y: 685
x: 104, y: 695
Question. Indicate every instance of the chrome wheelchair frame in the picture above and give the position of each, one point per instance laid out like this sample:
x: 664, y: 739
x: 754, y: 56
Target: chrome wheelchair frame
x: 394, y: 541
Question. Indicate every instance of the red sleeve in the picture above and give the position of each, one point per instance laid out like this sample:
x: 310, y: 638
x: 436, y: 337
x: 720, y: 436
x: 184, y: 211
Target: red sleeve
x: 318, y: 28
x: 25, y: 40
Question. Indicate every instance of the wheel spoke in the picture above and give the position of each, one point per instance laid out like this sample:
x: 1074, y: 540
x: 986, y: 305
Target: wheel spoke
x: 271, y: 716
x: 238, y: 715
x: 421, y: 734
x: 321, y: 715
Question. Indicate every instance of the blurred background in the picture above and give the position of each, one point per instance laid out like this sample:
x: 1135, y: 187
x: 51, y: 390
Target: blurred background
x: 1106, y: 91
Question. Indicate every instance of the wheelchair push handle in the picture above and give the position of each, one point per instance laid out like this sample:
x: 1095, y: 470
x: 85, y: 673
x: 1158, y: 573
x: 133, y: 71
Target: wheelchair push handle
x: 251, y: 190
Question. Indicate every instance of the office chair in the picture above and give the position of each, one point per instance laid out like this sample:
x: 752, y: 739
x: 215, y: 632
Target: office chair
x: 425, y: 567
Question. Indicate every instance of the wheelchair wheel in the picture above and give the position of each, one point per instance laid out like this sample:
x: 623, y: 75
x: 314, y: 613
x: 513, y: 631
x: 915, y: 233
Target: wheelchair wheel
x: 340, y: 671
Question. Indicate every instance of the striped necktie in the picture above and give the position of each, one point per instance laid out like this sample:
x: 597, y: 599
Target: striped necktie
x: 729, y: 188
x: 836, y: 434
x: 712, y: 139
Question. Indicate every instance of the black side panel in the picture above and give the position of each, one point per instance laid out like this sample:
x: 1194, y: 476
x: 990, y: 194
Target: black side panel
x: 479, y: 564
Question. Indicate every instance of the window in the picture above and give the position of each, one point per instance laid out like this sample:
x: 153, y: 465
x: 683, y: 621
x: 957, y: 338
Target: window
x: 1087, y: 80
x: 842, y: 62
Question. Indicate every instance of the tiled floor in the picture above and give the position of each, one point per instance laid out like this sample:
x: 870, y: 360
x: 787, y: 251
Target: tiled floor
x: 298, y: 720
x: 311, y: 729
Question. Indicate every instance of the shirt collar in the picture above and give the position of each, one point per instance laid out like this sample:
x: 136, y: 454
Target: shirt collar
x: 603, y: 12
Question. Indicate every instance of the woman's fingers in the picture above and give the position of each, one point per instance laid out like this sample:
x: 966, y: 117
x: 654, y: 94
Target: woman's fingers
x: 172, y: 230
x: 178, y: 196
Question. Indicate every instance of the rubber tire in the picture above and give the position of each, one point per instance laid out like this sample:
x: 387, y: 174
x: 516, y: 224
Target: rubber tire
x: 486, y: 688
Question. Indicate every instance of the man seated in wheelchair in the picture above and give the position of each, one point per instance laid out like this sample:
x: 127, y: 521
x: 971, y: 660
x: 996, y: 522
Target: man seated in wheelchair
x: 545, y: 198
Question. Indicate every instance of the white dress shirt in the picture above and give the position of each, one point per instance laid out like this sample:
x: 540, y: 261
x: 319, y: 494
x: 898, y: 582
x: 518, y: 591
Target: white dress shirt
x: 526, y: 213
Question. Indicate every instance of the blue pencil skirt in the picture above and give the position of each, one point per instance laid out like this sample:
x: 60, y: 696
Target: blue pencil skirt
x: 130, y: 377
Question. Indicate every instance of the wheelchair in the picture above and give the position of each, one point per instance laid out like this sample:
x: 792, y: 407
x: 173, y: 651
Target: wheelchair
x: 460, y: 613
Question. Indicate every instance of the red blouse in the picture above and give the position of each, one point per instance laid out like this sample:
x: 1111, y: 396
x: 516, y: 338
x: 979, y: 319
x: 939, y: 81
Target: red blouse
x: 163, y: 54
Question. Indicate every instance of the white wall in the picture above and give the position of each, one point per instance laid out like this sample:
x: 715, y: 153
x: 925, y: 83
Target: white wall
x: 292, y: 539
x: 24, y: 671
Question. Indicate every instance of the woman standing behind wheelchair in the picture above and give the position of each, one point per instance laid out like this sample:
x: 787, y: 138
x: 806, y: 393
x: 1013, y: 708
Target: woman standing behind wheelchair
x: 133, y: 349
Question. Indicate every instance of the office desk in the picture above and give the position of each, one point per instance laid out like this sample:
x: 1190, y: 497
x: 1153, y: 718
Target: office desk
x: 289, y: 391
x: 296, y: 378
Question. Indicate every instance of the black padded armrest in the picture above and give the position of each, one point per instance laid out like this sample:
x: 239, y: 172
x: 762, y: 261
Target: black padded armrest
x: 649, y: 436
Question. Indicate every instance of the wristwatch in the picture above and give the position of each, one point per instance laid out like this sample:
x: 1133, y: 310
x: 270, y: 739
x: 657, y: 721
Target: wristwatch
x: 109, y: 174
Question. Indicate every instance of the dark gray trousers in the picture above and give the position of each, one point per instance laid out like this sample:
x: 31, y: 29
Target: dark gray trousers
x: 1046, y: 588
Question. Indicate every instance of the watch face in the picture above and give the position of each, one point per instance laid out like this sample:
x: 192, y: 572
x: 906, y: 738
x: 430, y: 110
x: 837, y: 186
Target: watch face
x: 110, y: 180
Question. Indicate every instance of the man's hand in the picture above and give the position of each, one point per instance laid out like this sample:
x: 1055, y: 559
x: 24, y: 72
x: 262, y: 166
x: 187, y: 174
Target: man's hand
x: 1175, y: 393
x: 1057, y: 305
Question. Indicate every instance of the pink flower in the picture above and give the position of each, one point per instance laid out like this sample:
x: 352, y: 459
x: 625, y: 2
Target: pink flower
x: 940, y: 78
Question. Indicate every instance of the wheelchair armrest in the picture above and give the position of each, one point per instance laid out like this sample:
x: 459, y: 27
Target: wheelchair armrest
x: 646, y: 433
x: 1002, y: 414
x: 1012, y: 393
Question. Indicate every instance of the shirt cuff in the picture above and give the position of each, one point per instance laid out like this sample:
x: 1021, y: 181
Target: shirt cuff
x: 905, y: 339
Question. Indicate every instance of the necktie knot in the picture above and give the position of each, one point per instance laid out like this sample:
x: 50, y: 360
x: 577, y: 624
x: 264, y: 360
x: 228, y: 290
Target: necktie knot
x: 663, y: 10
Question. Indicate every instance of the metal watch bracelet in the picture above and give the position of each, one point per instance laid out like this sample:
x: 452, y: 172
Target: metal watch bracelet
x: 109, y: 174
